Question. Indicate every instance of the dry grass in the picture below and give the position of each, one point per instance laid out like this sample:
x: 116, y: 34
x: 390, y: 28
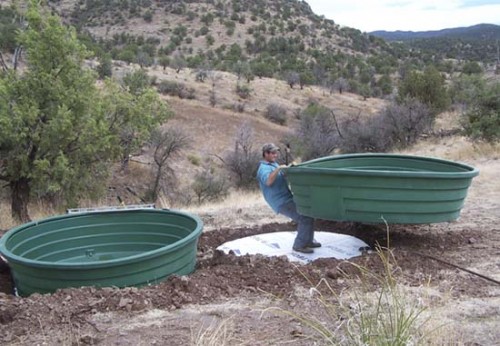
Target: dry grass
x: 456, y: 148
x: 38, y: 210
x: 218, y: 333
x: 392, y: 314
x: 264, y: 91
x: 239, y: 209
x: 213, y: 129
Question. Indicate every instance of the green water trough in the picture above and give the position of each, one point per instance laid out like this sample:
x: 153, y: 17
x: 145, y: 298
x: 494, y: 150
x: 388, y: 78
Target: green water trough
x: 106, y: 248
x: 377, y: 188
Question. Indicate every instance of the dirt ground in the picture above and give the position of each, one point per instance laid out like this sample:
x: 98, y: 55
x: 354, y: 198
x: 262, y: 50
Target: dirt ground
x: 239, y: 296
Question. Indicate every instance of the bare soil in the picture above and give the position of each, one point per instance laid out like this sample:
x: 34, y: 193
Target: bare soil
x: 237, y: 289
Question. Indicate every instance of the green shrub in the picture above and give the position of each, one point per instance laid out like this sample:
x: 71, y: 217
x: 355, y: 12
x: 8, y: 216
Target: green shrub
x: 482, y: 121
x: 472, y: 67
x: 194, y: 159
x: 176, y: 89
x: 209, y: 185
x: 238, y: 107
x: 148, y: 16
x: 105, y: 68
x: 276, y: 113
x: 210, y: 40
x: 428, y: 87
x: 243, y: 91
x: 204, y: 30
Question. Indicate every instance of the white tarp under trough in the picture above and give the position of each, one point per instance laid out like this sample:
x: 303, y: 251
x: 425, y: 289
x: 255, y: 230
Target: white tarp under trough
x: 334, y: 245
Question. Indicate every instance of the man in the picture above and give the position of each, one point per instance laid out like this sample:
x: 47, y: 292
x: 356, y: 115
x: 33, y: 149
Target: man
x: 275, y: 189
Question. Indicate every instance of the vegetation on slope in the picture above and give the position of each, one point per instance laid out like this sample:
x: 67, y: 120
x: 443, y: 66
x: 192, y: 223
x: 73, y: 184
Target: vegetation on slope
x: 474, y: 43
x: 283, y: 40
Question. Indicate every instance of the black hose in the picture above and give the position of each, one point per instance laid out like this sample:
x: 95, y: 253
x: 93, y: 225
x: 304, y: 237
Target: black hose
x: 458, y: 267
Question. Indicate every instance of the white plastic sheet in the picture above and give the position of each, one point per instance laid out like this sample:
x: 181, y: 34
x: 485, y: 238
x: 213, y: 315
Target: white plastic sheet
x: 334, y: 245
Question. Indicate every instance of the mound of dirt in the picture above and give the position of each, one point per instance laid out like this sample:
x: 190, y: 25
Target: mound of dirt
x: 219, y: 277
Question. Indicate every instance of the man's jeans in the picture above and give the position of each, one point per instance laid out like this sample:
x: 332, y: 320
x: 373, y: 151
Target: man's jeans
x: 305, y: 224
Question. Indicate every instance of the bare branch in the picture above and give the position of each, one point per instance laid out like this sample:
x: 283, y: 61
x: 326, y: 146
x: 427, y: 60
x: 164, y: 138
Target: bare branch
x: 217, y: 156
x: 5, y: 68
x: 17, y: 54
x: 336, y: 124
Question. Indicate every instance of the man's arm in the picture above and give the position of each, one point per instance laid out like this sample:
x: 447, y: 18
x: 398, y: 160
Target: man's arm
x: 274, y: 174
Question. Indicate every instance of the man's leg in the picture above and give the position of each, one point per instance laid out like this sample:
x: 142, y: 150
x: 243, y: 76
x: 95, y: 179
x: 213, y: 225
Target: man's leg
x: 305, y: 224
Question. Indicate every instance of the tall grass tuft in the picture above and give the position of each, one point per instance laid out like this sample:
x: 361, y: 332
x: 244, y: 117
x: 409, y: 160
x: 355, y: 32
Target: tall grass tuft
x: 388, y: 316
x: 360, y: 315
x: 218, y: 333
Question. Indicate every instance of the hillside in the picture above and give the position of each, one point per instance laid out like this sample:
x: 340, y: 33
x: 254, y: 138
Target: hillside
x: 265, y: 38
x: 475, y: 32
x: 440, y: 280
x: 228, y: 22
x: 216, y: 86
x: 477, y: 43
x: 213, y: 129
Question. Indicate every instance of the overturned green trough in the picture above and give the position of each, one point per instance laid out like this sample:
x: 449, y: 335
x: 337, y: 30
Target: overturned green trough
x: 107, y: 248
x: 377, y: 188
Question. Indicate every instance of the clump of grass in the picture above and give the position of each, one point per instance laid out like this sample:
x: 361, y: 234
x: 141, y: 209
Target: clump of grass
x: 361, y: 316
x: 194, y: 159
x: 477, y: 151
x: 218, y: 333
x: 388, y: 316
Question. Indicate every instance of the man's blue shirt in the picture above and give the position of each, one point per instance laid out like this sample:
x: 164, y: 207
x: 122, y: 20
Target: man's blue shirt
x: 278, y: 193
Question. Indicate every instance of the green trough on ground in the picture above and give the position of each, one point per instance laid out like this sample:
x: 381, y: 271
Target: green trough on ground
x: 108, y: 248
x: 377, y: 188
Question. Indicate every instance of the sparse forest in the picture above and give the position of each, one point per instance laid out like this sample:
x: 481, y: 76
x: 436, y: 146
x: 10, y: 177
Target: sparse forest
x: 285, y: 41
x: 167, y: 103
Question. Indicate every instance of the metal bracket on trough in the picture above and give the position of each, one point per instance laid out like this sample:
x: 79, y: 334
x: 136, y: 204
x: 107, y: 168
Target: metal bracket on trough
x: 110, y: 208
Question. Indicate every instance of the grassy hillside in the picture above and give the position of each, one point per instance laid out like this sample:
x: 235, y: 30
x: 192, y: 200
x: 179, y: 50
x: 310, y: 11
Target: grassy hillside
x: 213, y: 128
x: 227, y: 21
x: 216, y: 86
x: 265, y: 38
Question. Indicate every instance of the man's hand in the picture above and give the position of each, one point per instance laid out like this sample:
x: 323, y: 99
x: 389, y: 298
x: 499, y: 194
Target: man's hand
x: 274, y: 174
x: 287, y: 166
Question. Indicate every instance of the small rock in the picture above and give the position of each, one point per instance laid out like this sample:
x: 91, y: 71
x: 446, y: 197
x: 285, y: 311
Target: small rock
x: 472, y: 240
x: 333, y: 274
x: 123, y: 302
x: 87, y: 340
x: 297, y: 332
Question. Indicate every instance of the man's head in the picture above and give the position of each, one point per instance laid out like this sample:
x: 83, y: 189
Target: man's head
x: 270, y: 152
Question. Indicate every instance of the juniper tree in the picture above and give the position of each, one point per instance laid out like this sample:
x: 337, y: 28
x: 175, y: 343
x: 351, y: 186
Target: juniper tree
x: 58, y: 133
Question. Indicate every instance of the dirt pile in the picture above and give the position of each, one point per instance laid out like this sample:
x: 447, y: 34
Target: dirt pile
x: 220, y: 277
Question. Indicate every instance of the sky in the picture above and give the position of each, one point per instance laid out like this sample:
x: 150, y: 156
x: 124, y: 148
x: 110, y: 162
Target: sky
x: 392, y: 15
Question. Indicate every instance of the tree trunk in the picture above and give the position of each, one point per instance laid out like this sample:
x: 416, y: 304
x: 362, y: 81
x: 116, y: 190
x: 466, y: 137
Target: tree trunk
x: 20, y: 195
x: 156, y: 187
x: 125, y: 162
